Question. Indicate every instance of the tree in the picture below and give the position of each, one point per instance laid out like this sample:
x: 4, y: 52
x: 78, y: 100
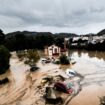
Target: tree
x: 59, y: 42
x: 64, y: 60
x: 43, y: 39
x: 33, y: 55
x: 20, y: 41
x: 4, y: 59
x: 2, y: 37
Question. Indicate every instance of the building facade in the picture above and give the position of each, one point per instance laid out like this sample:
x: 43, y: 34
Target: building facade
x: 52, y: 50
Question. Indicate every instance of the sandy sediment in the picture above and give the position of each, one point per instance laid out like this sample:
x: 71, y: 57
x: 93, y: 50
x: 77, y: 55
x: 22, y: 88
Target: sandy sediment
x: 25, y: 88
x: 89, y: 95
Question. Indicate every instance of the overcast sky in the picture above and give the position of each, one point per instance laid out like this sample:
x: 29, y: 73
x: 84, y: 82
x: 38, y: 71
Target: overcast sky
x: 74, y: 16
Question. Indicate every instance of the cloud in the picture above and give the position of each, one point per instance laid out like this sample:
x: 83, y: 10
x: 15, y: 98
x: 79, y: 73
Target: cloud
x: 52, y: 15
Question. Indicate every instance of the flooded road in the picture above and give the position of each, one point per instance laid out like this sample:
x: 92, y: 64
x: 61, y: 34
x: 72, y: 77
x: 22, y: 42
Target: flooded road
x: 16, y: 88
x: 22, y: 89
x: 92, y: 66
x: 23, y: 86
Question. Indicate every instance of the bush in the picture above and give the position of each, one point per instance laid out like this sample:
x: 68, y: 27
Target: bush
x: 64, y: 60
x: 21, y: 54
x: 4, y: 81
x: 57, y: 62
x: 4, y: 59
x: 33, y: 55
x: 27, y: 62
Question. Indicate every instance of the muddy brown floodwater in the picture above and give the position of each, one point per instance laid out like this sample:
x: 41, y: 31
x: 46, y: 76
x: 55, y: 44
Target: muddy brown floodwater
x: 22, y: 89
x: 92, y: 66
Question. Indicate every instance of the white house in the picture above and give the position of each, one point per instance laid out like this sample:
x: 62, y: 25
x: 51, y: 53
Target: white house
x: 52, y: 50
x: 96, y: 39
x: 76, y: 38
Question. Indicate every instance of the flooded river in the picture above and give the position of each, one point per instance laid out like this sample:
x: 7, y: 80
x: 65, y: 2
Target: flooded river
x: 22, y: 89
x: 92, y: 66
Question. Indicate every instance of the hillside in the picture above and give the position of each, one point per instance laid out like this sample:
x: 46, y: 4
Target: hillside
x: 29, y: 33
x: 102, y: 32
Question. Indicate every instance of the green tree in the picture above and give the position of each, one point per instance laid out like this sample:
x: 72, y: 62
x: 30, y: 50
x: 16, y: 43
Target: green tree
x: 33, y: 55
x: 20, y: 41
x: 43, y: 39
x: 2, y: 37
x: 59, y: 42
x: 64, y: 60
x: 4, y: 59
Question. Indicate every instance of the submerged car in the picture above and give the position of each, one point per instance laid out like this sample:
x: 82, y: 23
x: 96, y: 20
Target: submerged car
x: 44, y: 60
x: 71, y: 73
x: 62, y: 87
x: 34, y: 68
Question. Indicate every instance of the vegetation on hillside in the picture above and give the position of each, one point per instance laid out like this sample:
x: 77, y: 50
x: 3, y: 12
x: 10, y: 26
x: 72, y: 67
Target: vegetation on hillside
x: 38, y: 40
x: 102, y: 32
x: 22, y: 42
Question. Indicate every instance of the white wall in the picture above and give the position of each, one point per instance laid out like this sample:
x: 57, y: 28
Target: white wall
x: 51, y: 50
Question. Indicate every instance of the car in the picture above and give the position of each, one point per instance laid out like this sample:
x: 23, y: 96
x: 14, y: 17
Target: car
x: 46, y: 60
x: 71, y: 73
x: 62, y: 87
x: 34, y: 68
